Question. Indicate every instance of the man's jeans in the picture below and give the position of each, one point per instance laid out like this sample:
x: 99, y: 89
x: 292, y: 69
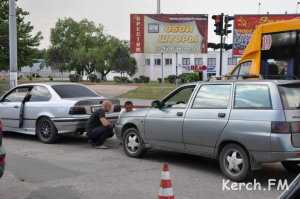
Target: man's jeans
x: 100, y: 134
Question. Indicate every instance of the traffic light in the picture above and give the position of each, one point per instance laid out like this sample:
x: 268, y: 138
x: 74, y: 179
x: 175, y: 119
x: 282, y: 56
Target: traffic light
x: 227, y: 24
x: 219, y: 22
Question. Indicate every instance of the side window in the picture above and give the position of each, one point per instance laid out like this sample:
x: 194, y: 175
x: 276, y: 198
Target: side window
x: 235, y: 73
x: 241, y: 70
x: 180, y: 98
x: 245, y: 68
x: 40, y: 94
x: 17, y: 95
x: 252, y: 97
x: 213, y: 97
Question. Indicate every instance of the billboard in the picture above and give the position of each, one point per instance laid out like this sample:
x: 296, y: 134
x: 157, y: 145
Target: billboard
x: 244, y: 26
x: 168, y: 33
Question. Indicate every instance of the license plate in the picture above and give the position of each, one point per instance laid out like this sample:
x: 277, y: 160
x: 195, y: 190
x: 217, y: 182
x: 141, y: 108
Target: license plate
x: 94, y: 108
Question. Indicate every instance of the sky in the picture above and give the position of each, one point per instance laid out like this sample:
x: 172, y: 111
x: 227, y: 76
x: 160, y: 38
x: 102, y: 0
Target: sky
x: 114, y: 14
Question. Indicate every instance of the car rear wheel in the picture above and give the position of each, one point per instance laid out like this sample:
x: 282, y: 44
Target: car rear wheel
x: 234, y: 162
x: 46, y: 131
x: 133, y: 144
x: 291, y: 166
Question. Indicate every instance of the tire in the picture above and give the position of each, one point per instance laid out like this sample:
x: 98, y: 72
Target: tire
x: 133, y: 143
x: 291, y: 166
x: 46, y: 131
x: 234, y: 162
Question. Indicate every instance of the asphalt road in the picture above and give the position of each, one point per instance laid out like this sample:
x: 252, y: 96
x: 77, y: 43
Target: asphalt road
x: 71, y: 169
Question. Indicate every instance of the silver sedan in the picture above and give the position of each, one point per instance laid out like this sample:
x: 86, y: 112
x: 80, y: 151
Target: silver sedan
x: 49, y: 109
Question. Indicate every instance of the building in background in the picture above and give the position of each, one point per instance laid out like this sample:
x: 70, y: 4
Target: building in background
x: 169, y: 44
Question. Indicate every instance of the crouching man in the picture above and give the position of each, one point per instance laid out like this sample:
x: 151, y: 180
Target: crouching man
x: 99, y: 128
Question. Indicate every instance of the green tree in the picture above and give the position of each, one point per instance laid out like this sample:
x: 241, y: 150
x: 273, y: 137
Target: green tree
x: 27, y: 41
x: 122, y: 61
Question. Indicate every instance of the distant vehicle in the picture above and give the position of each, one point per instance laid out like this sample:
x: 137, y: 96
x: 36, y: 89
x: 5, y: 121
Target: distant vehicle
x: 272, y: 53
x: 2, y: 153
x: 49, y: 109
x: 243, y: 124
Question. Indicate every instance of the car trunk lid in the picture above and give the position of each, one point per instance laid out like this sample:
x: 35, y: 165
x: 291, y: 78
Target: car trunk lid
x: 290, y: 95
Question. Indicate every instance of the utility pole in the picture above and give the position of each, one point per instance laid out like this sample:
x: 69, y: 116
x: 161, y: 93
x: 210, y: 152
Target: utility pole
x: 13, y: 68
x: 297, y: 6
x: 259, y: 7
x: 176, y: 81
x: 158, y: 7
x: 162, y: 68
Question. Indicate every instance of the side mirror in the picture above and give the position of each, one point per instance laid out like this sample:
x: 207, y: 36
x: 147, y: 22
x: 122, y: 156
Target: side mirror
x: 156, y: 104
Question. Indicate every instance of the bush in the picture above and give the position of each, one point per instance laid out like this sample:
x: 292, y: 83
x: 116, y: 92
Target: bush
x: 50, y: 78
x: 36, y: 75
x: 93, y: 77
x: 29, y: 77
x: 74, y: 77
x: 188, y: 77
x: 144, y: 79
x: 171, y: 79
x: 119, y: 79
x: 159, y: 80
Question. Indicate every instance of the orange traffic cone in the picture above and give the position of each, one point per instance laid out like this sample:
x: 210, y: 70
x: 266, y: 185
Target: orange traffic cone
x: 165, y: 190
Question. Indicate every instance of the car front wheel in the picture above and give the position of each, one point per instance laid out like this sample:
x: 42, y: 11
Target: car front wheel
x: 291, y: 166
x: 46, y: 131
x: 133, y: 143
x: 234, y: 162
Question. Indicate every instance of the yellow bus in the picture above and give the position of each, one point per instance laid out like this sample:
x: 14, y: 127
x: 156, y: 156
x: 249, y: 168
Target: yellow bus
x: 272, y: 53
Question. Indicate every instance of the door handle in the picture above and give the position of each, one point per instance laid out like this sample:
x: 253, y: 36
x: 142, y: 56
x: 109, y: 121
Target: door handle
x: 221, y: 115
x: 179, y: 114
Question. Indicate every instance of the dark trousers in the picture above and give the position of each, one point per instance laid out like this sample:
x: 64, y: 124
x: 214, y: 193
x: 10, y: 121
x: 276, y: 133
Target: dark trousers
x: 100, y: 134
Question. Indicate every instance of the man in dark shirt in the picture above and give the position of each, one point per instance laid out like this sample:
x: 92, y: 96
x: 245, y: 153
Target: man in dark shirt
x: 98, y: 127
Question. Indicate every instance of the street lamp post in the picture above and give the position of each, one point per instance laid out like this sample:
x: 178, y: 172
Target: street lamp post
x: 13, y: 69
x: 162, y: 68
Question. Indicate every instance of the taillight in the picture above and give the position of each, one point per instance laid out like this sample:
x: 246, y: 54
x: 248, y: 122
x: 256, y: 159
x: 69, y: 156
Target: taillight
x: 2, y: 159
x: 77, y: 110
x: 295, y: 127
x: 280, y: 127
x: 1, y: 128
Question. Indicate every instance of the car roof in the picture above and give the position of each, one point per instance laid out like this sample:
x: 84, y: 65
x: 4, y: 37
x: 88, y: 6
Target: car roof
x: 49, y: 84
x: 277, y: 82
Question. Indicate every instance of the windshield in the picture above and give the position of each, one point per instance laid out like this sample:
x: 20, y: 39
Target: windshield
x: 73, y: 91
x: 290, y: 95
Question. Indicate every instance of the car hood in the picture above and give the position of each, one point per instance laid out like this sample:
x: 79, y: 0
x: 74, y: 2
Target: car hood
x: 136, y: 113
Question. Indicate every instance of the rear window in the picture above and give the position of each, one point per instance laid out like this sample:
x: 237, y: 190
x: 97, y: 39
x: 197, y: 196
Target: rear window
x: 290, y: 95
x: 73, y: 91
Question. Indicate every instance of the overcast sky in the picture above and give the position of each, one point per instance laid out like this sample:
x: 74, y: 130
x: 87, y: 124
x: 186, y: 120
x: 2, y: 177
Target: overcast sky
x: 114, y: 14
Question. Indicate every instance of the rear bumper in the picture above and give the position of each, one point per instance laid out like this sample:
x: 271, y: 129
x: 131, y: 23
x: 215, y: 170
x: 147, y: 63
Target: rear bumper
x: 78, y: 124
x: 70, y: 125
x: 266, y: 157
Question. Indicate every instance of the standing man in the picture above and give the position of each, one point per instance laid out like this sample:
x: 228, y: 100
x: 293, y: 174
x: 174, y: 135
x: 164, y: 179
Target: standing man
x: 98, y: 127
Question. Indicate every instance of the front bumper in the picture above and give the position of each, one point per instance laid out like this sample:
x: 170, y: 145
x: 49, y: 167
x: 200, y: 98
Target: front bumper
x: 2, y: 162
x: 118, y: 131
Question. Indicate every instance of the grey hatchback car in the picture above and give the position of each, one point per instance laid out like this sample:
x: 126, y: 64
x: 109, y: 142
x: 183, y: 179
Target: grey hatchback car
x: 242, y: 124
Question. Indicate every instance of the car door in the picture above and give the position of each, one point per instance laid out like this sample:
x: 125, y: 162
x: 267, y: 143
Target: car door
x: 206, y: 118
x: 10, y: 106
x: 163, y: 126
x: 38, y: 103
